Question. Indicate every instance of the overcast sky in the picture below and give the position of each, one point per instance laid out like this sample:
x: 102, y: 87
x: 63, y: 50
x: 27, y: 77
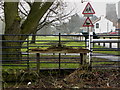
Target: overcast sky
x: 99, y: 6
x: 91, y: 0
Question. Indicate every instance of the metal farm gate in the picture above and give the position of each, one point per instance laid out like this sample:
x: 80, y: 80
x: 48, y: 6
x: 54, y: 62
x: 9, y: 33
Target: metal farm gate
x: 61, y: 60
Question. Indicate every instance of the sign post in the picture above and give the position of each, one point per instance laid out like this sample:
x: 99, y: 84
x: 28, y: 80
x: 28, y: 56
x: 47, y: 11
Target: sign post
x: 88, y: 12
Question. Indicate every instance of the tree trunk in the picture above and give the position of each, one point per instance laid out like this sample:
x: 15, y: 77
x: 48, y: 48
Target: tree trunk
x: 11, y: 52
x: 11, y: 47
x: 33, y: 38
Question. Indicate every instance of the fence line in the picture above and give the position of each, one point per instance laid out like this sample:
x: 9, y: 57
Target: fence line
x: 26, y: 56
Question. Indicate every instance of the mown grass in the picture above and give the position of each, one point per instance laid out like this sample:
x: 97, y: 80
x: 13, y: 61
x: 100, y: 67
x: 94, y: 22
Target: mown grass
x: 33, y: 63
x: 75, y: 44
x: 63, y: 65
x: 106, y: 52
x: 103, y: 61
x: 43, y: 65
x: 39, y: 44
x: 43, y: 45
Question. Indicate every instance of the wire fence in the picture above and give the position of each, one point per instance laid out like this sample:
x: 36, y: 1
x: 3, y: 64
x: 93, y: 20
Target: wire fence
x: 19, y: 56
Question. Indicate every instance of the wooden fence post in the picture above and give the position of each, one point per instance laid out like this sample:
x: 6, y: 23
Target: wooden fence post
x: 59, y: 39
x: 38, y: 61
x: 59, y: 62
x: 81, y: 58
x: 28, y: 67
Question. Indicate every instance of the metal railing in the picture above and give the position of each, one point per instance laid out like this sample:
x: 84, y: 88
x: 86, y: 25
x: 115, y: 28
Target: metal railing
x: 30, y: 60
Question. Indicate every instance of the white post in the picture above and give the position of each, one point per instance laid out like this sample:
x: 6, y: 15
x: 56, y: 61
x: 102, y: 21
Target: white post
x: 89, y: 43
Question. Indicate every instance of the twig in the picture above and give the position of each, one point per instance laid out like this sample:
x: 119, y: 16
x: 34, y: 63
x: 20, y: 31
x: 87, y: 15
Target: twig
x: 26, y: 12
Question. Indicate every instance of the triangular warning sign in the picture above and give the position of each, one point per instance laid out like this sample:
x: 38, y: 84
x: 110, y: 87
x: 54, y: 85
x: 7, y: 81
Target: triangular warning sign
x: 88, y: 9
x: 88, y: 23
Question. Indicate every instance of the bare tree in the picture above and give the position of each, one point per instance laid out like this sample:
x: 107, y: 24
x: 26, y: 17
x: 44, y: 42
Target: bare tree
x: 55, y: 14
x: 27, y: 18
x: 15, y: 25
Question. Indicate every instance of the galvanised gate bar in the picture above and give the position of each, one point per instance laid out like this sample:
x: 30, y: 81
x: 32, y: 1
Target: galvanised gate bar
x: 28, y: 60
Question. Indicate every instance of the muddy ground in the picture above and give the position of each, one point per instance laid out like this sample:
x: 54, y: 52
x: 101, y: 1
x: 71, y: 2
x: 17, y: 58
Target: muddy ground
x: 72, y: 80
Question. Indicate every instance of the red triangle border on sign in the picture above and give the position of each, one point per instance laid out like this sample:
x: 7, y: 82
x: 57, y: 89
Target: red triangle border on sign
x: 86, y: 7
x: 90, y: 23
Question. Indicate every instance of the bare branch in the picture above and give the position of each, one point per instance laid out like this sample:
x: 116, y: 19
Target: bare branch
x: 22, y: 12
x: 40, y: 26
x: 57, y: 15
x: 29, y: 3
x: 53, y: 11
x: 2, y: 10
x: 24, y: 9
x: 2, y: 19
x: 44, y: 19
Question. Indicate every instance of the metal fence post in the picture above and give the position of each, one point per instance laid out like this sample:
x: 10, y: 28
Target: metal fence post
x: 110, y: 45
x: 86, y: 42
x: 93, y: 44
x: 80, y: 38
x: 118, y: 45
x: 104, y: 42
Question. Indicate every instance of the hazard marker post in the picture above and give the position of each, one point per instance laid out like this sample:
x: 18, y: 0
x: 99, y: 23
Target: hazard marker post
x: 88, y: 12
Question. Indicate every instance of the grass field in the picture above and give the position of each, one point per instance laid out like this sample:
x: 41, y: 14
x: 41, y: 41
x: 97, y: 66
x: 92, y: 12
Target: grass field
x: 106, y: 52
x: 45, y: 45
x: 42, y: 65
x: 55, y: 65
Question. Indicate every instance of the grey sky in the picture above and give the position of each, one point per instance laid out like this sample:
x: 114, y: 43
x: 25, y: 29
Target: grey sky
x: 99, y: 6
x: 91, y: 0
